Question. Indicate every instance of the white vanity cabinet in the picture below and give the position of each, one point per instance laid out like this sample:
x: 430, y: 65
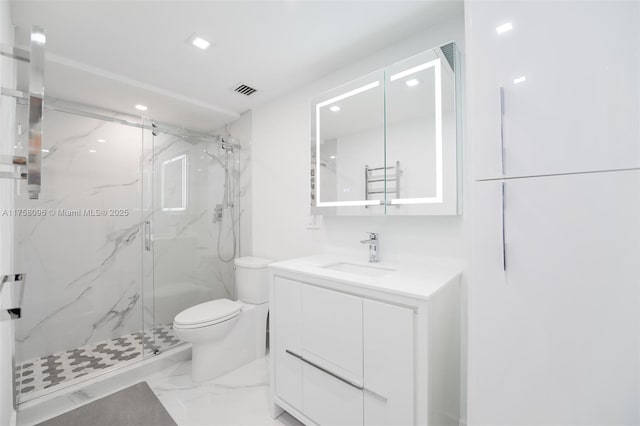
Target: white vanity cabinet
x: 569, y: 73
x: 343, y: 354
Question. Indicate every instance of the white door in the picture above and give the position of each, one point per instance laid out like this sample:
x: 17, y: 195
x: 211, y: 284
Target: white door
x: 570, y: 76
x: 388, y: 364
x: 286, y: 311
x: 332, y: 331
x: 554, y: 339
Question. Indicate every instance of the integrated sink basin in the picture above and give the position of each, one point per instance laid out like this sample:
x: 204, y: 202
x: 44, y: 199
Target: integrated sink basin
x: 354, y: 268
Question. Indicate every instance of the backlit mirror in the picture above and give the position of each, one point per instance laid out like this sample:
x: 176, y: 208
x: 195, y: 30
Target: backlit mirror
x: 387, y: 142
x: 349, y: 136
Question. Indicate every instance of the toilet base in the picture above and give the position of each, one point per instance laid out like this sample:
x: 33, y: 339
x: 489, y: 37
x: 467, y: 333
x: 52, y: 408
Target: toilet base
x: 245, y: 342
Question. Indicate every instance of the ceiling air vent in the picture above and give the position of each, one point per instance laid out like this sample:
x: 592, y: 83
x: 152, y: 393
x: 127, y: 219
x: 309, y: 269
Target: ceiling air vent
x: 243, y: 89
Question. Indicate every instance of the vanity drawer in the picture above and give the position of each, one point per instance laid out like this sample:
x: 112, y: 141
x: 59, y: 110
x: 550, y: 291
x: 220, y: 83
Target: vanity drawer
x: 328, y: 400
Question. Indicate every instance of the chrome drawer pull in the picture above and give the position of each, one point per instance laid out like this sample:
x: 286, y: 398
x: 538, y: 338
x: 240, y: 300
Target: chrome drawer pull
x: 324, y: 370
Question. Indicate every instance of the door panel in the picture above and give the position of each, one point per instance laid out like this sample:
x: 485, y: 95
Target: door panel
x: 388, y: 364
x: 287, y: 314
x: 332, y: 324
x: 577, y: 108
x: 554, y: 339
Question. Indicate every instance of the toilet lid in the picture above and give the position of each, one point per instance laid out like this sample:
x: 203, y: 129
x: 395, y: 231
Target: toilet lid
x: 208, y: 312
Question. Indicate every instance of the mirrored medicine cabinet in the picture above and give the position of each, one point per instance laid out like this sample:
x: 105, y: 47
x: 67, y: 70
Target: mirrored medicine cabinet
x: 388, y: 143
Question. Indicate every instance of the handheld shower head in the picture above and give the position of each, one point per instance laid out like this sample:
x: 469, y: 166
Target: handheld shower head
x: 216, y: 158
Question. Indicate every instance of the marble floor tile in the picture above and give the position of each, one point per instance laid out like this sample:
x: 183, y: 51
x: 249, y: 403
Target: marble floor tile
x: 237, y: 398
x: 240, y: 397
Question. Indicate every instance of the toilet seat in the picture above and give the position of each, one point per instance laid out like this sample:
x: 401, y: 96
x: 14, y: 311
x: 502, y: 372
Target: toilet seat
x: 208, y: 313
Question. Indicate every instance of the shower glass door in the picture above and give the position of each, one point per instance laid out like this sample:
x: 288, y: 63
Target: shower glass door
x: 80, y: 246
x: 186, y: 188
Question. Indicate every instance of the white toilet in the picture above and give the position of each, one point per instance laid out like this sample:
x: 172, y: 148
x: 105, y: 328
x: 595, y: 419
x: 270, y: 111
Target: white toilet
x: 227, y: 334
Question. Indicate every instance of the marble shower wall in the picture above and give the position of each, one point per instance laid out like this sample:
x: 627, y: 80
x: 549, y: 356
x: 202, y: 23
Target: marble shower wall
x: 83, y: 271
x: 241, y: 131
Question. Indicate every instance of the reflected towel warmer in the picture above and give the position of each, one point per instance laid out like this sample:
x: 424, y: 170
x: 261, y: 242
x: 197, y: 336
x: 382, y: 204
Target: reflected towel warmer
x: 373, y: 175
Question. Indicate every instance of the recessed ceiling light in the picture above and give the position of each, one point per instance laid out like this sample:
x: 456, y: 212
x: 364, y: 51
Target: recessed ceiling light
x: 507, y: 26
x: 200, y: 43
x: 520, y: 79
x: 335, y: 108
x: 45, y: 150
x: 332, y: 156
x: 412, y: 82
x: 92, y: 151
x: 141, y: 107
x: 197, y: 41
x: 102, y: 140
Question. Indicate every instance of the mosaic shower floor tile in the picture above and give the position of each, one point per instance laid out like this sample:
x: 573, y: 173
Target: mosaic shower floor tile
x: 36, y: 375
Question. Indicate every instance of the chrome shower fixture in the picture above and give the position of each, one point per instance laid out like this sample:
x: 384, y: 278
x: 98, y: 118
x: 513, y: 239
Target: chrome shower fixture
x: 216, y: 158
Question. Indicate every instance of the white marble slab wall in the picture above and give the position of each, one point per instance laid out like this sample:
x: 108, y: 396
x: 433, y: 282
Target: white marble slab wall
x: 83, y: 271
x: 241, y: 131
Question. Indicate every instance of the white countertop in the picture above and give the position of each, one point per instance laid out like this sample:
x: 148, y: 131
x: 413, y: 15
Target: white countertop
x: 415, y: 280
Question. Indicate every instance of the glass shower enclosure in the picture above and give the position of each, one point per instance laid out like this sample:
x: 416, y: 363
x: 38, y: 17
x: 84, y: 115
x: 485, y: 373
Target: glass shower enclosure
x: 119, y: 235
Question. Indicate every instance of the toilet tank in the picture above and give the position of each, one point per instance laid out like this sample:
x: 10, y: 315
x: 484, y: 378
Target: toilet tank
x: 252, y: 282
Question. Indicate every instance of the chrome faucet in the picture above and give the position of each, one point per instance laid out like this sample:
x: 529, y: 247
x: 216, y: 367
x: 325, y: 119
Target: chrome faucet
x: 373, y: 246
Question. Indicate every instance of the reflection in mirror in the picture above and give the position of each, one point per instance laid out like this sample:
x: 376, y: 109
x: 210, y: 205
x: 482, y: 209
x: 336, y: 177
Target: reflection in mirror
x: 174, y: 184
x: 421, y: 133
x: 349, y: 129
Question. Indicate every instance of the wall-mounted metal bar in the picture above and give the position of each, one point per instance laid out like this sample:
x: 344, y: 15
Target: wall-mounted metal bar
x: 36, y: 98
x: 366, y: 183
x: 397, y: 179
x: 368, y: 179
x: 60, y: 105
x: 381, y: 168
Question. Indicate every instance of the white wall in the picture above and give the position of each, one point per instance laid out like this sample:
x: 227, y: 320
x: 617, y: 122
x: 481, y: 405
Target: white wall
x: 7, y: 414
x: 280, y: 184
x: 281, y: 175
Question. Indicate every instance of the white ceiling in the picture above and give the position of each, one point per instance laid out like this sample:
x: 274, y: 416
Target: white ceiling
x: 114, y: 54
